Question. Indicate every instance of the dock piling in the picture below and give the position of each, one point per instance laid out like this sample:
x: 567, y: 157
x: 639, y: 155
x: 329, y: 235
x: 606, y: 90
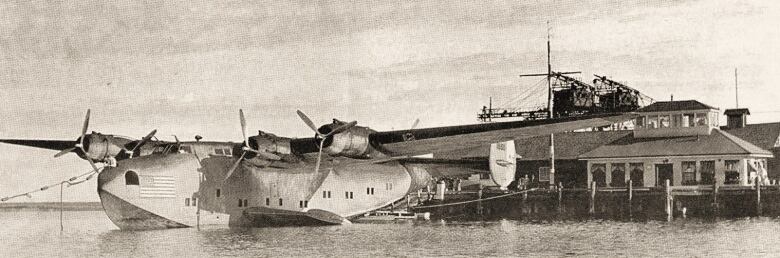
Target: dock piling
x: 668, y: 205
x: 758, y: 197
x: 715, y: 203
x: 592, y: 206
x: 630, y: 197
x: 560, y: 197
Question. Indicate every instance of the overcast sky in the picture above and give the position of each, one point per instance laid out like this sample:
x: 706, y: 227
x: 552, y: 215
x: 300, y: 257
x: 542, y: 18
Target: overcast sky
x: 187, y: 68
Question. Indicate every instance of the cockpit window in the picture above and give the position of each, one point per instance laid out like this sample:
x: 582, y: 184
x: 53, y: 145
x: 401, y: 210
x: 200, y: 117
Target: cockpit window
x: 131, y: 178
x: 186, y: 149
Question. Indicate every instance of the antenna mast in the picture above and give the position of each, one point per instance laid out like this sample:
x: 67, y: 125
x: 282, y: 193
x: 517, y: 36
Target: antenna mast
x: 549, y: 77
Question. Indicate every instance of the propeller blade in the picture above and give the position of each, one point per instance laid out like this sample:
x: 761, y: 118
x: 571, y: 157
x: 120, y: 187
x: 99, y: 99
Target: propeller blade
x: 84, y: 129
x: 416, y: 121
x: 341, y: 128
x: 92, y: 163
x: 65, y: 151
x: 243, y: 127
x: 144, y: 140
x: 319, y: 157
x: 234, y: 166
x: 308, y: 121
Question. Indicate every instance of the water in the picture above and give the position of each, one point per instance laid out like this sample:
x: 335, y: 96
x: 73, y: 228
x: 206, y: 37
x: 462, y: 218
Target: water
x: 91, y: 234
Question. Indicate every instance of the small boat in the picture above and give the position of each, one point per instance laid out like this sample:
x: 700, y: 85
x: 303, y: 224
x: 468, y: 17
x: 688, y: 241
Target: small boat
x: 390, y: 216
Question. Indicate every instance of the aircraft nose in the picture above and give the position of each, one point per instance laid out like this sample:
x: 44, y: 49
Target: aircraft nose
x: 105, y: 179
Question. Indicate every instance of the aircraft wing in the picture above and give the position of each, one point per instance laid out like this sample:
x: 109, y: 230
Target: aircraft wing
x: 449, y: 167
x: 442, y: 139
x: 45, y: 144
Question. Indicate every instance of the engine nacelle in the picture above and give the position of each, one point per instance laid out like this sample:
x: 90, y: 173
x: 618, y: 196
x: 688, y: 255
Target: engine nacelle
x: 352, y: 143
x: 100, y: 147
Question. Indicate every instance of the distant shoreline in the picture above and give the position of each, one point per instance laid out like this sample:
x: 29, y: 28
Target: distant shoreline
x: 68, y: 206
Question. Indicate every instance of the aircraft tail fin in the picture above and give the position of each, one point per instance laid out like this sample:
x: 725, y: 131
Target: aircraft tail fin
x: 503, y: 163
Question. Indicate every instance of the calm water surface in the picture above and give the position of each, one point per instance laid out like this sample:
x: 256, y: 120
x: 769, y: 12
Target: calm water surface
x: 91, y: 234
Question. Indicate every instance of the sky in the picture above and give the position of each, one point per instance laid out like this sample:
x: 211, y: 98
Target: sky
x: 185, y: 68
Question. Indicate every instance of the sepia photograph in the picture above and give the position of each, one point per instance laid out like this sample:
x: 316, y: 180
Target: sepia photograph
x: 390, y: 128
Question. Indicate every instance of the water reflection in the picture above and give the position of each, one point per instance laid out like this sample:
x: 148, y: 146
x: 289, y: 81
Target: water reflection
x: 90, y: 234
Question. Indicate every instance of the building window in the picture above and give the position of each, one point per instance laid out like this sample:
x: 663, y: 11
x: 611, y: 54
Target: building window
x: 370, y: 191
x: 306, y: 204
x: 731, y: 172
x: 324, y: 195
x: 677, y: 120
x: 637, y: 171
x: 267, y: 201
x: 194, y: 201
x: 389, y: 186
x: 300, y: 204
x: 701, y: 119
x: 639, y: 122
x: 240, y: 203
x: 544, y: 174
x: 713, y: 119
x: 281, y: 202
x: 246, y: 202
x: 707, y: 172
x: 663, y: 121
x: 599, y: 174
x: 652, y: 122
x: 186, y: 201
x: 219, y: 192
x: 131, y: 178
x: 688, y: 172
x: 687, y: 120
x: 618, y: 175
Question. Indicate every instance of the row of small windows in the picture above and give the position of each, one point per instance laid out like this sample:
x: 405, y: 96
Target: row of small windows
x: 303, y: 204
x: 243, y: 203
x: 677, y: 120
x: 187, y: 202
x: 224, y: 152
x: 636, y: 171
x: 351, y: 195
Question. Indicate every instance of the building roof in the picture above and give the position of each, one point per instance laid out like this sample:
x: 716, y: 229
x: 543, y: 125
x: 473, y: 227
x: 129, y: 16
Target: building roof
x: 736, y: 111
x: 761, y: 135
x: 567, y: 145
x: 683, y: 105
x: 717, y: 143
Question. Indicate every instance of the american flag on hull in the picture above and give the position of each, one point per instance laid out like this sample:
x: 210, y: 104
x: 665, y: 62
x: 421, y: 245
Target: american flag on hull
x: 157, y: 187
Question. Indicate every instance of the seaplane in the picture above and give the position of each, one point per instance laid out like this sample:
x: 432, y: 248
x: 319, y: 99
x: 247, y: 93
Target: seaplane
x: 341, y: 173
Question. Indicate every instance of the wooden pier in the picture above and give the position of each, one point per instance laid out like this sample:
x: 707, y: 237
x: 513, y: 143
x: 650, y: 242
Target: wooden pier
x: 655, y: 203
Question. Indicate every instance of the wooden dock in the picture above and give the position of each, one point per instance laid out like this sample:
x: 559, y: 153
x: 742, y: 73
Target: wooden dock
x: 656, y: 203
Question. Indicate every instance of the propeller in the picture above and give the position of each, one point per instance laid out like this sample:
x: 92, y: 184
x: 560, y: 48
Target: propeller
x: 246, y: 148
x: 322, y: 136
x: 80, y: 145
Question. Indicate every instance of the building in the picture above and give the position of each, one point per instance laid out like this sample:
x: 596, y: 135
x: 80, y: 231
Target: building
x: 679, y: 141
x: 676, y: 140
